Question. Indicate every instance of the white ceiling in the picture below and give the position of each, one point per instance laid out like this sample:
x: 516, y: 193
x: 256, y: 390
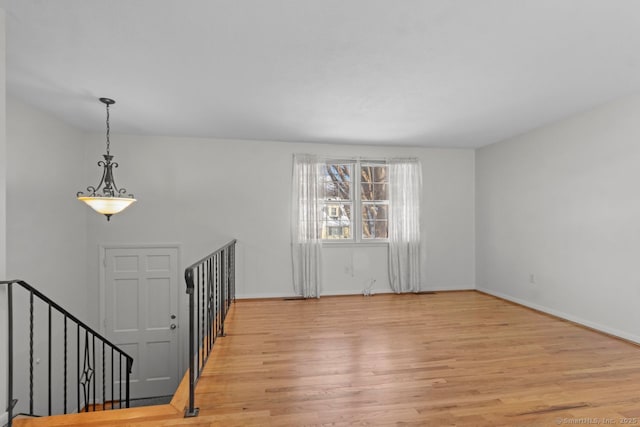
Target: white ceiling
x: 444, y: 73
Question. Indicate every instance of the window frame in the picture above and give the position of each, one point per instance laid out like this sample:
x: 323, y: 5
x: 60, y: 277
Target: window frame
x: 356, y: 202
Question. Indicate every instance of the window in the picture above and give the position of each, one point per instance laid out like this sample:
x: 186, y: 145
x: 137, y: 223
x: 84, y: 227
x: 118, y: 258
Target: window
x: 374, y: 199
x: 354, y: 206
x: 356, y: 201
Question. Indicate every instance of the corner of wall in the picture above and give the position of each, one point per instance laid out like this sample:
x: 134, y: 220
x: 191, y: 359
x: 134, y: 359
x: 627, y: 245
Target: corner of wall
x: 3, y: 212
x: 474, y: 225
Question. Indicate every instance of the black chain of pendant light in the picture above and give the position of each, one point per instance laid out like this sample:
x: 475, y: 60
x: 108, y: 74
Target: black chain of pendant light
x: 108, y: 102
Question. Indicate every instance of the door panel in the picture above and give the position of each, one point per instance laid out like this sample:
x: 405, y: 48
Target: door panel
x: 141, y: 291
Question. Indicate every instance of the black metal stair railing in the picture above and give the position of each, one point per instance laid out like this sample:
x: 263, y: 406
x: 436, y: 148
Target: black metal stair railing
x: 212, y: 290
x: 83, y: 371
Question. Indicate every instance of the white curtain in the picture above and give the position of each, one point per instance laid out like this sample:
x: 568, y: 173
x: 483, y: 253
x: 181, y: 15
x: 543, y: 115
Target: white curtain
x: 405, y: 187
x: 306, y: 242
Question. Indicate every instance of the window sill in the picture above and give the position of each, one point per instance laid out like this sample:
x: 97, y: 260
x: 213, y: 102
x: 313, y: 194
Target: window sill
x: 350, y: 243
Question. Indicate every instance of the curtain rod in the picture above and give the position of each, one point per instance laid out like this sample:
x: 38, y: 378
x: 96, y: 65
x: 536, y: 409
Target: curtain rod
x: 359, y: 158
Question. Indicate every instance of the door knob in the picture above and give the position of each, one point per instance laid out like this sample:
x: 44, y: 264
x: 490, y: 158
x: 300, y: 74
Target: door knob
x: 173, y: 316
x: 172, y: 326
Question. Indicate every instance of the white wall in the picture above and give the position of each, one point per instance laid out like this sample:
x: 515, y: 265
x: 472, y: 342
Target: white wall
x: 3, y: 151
x: 202, y: 193
x: 3, y: 220
x: 47, y: 232
x: 563, y: 203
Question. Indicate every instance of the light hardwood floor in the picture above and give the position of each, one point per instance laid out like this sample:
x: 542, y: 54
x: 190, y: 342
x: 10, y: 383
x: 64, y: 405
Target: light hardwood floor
x: 451, y: 358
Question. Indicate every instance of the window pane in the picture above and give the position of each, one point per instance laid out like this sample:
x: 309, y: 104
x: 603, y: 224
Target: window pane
x: 374, y: 191
x: 337, y: 181
x: 373, y: 182
x: 374, y: 221
x: 336, y: 220
x: 374, y: 173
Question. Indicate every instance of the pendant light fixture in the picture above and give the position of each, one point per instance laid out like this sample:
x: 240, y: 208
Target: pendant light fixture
x: 106, y: 198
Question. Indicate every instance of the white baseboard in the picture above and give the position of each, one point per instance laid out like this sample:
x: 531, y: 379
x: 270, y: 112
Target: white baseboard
x: 359, y: 291
x: 256, y: 296
x: 589, y: 324
x: 356, y: 292
x: 450, y: 289
x: 328, y: 294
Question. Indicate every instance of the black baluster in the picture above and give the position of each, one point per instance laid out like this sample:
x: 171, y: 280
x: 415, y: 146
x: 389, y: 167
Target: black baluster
x: 93, y: 347
x: 87, y: 374
x: 214, y: 302
x: 211, y: 303
x: 233, y: 260
x: 215, y: 309
x: 112, y: 379
x: 49, y: 361
x: 218, y: 304
x: 31, y: 412
x: 223, y: 281
x: 104, y: 379
x: 214, y: 298
x: 88, y: 371
x: 78, y: 364
x: 191, y: 410
x: 128, y: 373
x: 213, y: 312
x: 10, y: 351
x: 207, y: 280
x: 200, y: 284
x: 120, y: 381
x: 65, y: 365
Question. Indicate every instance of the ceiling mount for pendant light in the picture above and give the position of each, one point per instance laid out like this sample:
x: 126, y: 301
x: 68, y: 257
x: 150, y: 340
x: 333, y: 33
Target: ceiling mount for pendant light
x: 106, y: 198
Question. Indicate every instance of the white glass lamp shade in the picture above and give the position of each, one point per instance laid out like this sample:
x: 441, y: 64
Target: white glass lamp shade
x: 107, y: 205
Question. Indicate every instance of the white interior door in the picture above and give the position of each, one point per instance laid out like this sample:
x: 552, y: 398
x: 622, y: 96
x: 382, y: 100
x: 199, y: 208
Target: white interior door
x: 141, y: 291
